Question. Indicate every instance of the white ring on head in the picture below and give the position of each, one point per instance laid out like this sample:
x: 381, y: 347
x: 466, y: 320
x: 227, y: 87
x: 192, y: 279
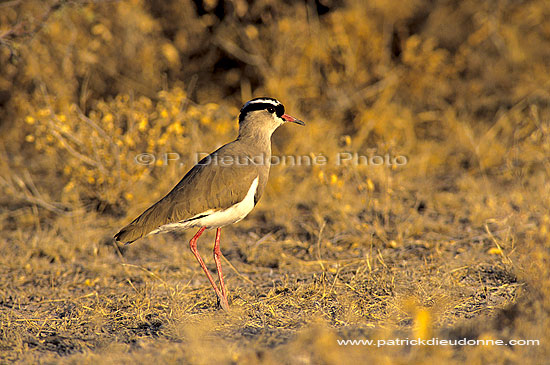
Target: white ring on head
x: 273, y: 102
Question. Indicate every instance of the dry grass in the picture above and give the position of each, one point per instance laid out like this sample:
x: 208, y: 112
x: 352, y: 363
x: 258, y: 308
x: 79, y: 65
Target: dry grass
x: 454, y: 244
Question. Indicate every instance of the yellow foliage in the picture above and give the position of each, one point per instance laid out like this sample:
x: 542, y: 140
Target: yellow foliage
x: 108, y: 164
x: 423, y: 323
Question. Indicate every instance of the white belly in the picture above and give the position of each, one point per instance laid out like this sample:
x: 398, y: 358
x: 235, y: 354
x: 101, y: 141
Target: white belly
x: 218, y: 218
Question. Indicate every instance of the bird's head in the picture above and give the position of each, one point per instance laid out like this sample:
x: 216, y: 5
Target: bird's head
x: 263, y: 115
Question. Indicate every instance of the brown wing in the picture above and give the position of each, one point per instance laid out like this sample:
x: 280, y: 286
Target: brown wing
x: 205, y: 187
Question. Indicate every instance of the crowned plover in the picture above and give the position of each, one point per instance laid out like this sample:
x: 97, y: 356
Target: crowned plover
x: 219, y: 190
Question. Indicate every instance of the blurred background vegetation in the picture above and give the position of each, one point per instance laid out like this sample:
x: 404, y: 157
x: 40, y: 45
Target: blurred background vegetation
x: 462, y: 88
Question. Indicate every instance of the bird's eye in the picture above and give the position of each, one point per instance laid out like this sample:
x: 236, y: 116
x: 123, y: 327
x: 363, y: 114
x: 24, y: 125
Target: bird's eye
x: 271, y: 109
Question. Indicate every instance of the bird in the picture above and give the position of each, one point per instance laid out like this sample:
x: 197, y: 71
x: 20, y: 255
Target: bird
x: 221, y: 189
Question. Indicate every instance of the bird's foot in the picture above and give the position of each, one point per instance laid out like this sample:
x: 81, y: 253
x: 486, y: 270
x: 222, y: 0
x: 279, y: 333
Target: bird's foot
x: 223, y: 304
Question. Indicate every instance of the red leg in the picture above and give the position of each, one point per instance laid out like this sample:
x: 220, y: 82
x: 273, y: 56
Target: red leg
x: 193, y: 246
x: 217, y: 254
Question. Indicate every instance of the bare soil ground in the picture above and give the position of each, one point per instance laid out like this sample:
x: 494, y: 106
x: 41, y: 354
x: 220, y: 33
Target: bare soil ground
x: 70, y: 294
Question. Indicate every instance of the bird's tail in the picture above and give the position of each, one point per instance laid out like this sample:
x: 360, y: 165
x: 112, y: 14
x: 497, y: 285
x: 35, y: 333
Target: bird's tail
x: 129, y: 234
x: 142, y: 225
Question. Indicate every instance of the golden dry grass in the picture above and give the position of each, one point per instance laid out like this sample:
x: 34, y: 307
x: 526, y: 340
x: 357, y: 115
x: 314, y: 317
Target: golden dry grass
x: 454, y: 244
